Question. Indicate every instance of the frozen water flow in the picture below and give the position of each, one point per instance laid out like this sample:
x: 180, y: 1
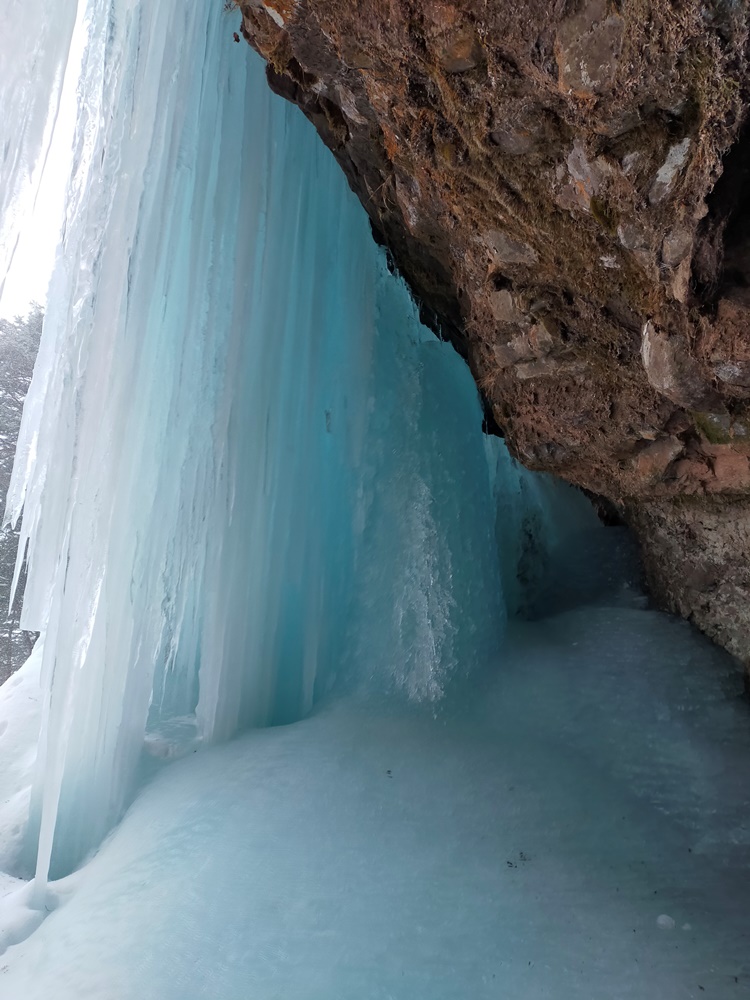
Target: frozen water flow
x: 238, y: 477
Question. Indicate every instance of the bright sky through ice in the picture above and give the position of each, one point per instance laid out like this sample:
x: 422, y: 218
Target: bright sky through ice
x: 31, y: 268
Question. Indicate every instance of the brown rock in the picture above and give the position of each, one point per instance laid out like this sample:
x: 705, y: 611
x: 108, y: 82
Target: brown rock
x: 651, y: 462
x: 585, y: 179
x: 733, y: 372
x: 589, y: 46
x: 673, y: 372
x: 515, y: 141
x: 506, y: 250
x: 669, y: 172
x: 679, y: 286
x: 676, y: 246
x: 462, y: 53
x: 517, y: 349
x: 354, y: 55
x: 543, y: 335
x: 678, y: 423
x: 731, y: 470
x: 631, y: 236
x: 504, y: 308
x: 550, y: 368
x: 691, y: 473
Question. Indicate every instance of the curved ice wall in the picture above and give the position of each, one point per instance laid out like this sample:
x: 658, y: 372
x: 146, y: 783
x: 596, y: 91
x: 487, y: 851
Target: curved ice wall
x: 246, y: 469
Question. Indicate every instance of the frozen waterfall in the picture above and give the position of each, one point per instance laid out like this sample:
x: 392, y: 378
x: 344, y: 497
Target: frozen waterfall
x: 266, y: 536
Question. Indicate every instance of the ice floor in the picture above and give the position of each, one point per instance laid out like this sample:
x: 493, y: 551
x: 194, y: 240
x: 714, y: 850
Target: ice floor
x: 573, y: 827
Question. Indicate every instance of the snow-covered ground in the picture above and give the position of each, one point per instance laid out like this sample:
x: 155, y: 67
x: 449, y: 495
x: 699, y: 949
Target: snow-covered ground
x: 572, y: 826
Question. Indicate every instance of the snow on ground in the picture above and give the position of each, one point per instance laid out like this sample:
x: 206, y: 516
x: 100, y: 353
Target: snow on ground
x: 574, y: 826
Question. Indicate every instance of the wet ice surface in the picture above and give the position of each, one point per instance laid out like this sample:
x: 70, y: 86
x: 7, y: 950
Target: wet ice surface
x: 574, y: 825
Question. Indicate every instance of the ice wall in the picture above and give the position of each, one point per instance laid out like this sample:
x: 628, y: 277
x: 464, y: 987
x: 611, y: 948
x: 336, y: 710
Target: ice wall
x: 246, y: 470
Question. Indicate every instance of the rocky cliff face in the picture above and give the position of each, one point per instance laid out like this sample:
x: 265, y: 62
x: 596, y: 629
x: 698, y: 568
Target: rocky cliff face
x: 565, y: 184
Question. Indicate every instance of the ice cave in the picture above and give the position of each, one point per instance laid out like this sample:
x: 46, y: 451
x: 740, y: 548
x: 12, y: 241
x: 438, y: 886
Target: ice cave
x: 331, y: 699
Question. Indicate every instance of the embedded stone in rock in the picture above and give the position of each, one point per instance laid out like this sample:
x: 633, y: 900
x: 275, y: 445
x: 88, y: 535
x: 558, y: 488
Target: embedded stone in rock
x: 691, y: 474
x: 631, y: 236
x: 462, y: 53
x: 504, y: 308
x: 676, y: 246
x: 631, y: 162
x: 408, y: 197
x: 715, y: 428
x: 585, y: 179
x: 514, y: 141
x: 589, y: 45
x: 543, y: 335
x: 610, y: 262
x: 535, y: 343
x: 348, y: 104
x: 354, y: 55
x: 679, y: 286
x: 673, y: 372
x: 517, y: 349
x: 280, y: 10
x: 456, y: 42
x: 669, y: 171
x: 507, y: 250
x: 547, y: 367
x: 651, y: 463
x: 731, y: 470
x: 734, y: 372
